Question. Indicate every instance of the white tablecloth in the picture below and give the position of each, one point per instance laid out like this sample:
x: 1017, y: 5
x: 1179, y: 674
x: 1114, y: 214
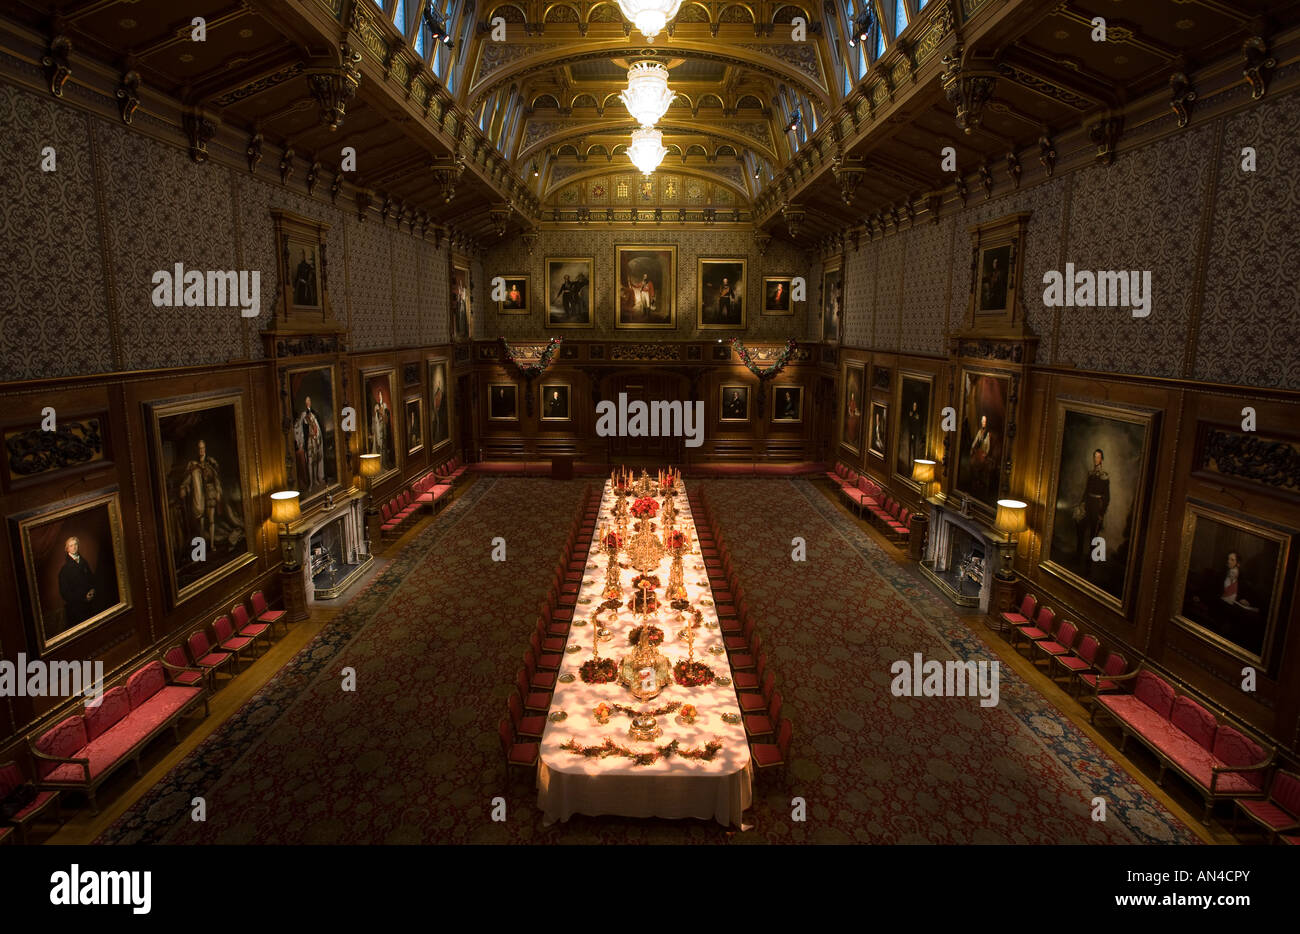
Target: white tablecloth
x: 673, y: 787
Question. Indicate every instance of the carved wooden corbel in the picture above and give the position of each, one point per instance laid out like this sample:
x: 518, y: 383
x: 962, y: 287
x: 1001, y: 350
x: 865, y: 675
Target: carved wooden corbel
x: 128, y: 94
x: 57, y: 63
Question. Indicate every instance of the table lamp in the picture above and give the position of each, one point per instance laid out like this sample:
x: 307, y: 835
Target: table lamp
x: 1010, y: 521
x: 923, y: 473
x: 284, y: 509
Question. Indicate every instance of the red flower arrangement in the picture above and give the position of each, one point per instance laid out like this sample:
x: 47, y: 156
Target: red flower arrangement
x: 645, y: 508
x: 598, y: 670
x: 692, y: 674
x: 675, y: 539
x: 612, y: 541
x: 656, y: 635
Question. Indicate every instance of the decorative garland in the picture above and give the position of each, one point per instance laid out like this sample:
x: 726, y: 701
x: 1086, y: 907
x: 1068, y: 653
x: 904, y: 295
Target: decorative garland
x: 692, y: 674
x: 781, y: 359
x: 656, y: 635
x: 598, y: 670
x: 611, y: 748
x: 532, y: 369
x: 657, y: 712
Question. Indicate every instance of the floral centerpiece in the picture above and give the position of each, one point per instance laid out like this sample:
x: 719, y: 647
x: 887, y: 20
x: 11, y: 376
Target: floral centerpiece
x: 612, y: 542
x: 645, y: 508
x: 691, y: 674
x: 688, y: 713
x: 602, y: 712
x: 676, y: 542
x: 656, y: 635
x: 598, y: 670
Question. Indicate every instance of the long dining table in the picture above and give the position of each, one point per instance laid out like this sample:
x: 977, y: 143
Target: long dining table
x: 673, y: 786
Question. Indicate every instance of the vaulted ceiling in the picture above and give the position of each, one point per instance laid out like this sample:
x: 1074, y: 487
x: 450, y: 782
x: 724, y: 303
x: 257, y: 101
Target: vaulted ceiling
x: 512, y: 119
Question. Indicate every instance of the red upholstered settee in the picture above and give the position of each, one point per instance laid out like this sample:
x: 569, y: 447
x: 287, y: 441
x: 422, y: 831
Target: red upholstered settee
x: 80, y: 752
x: 1220, y: 761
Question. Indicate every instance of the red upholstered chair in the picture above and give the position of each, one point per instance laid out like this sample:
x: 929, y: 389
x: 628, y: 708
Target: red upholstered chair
x: 764, y: 724
x: 539, y: 680
x: 11, y: 776
x: 757, y: 703
x: 179, y: 670
x: 1061, y: 645
x: 529, y: 727
x: 264, y: 615
x: 740, y: 643
x: 202, y: 654
x: 523, y: 755
x: 549, y: 661
x: 1040, y: 629
x: 1278, y: 814
x: 247, y: 628
x: 539, y: 701
x: 228, y: 641
x: 750, y: 680
x: 1021, y: 618
x: 743, y: 661
x: 768, y: 755
x: 1083, y: 659
x: 553, y: 644
x: 1102, y: 682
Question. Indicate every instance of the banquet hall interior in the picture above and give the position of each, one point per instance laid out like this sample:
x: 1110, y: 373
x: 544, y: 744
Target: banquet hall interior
x: 650, y: 421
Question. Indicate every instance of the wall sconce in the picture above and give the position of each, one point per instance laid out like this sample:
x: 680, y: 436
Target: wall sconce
x: 1010, y: 521
x: 284, y: 510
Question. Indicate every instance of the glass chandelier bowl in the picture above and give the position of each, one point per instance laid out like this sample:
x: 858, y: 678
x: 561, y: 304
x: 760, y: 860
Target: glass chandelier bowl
x: 647, y: 149
x: 647, y: 95
x: 649, y: 16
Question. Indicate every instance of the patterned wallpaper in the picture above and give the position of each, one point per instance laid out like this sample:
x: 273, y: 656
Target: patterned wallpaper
x: 511, y: 258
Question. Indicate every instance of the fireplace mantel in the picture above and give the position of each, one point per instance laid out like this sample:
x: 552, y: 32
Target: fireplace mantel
x: 349, y: 506
x: 938, y: 556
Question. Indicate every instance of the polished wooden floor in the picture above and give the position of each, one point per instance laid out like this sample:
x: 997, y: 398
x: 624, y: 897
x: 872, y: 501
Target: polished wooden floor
x: 120, y: 792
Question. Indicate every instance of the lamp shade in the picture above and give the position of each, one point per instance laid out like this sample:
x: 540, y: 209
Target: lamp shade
x: 1011, y: 516
x: 284, y: 506
x: 923, y: 471
x: 370, y: 465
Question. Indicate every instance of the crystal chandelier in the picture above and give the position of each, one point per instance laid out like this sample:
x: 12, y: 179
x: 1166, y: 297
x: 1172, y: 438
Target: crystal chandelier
x: 649, y: 16
x: 647, y: 96
x: 647, y: 149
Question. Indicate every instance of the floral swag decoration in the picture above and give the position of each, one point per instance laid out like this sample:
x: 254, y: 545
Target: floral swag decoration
x: 649, y: 757
x: 531, y: 370
x: 777, y: 366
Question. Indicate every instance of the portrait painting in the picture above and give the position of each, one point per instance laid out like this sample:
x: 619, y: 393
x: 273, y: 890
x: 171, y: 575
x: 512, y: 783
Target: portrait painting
x: 517, y: 292
x: 981, y: 446
x: 302, y: 258
x: 851, y: 409
x: 722, y: 286
x: 1233, y: 582
x: 1097, y: 497
x: 879, y: 429
x: 570, y: 291
x: 787, y: 405
x: 313, y: 430
x: 380, y: 436
x: 776, y: 295
x: 832, y: 305
x: 994, y: 268
x: 439, y: 404
x: 74, y: 557
x: 647, y: 286
x: 201, y: 488
x: 503, y: 402
x: 734, y: 403
x: 555, y: 402
x: 461, y: 306
x: 913, y: 441
x: 73, y: 443
x: 414, y: 424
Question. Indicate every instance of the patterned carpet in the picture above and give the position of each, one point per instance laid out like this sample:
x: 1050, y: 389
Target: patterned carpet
x: 412, y: 757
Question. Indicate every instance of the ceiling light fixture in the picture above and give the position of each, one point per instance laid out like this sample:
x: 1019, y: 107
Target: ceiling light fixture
x: 647, y: 96
x: 647, y: 149
x: 436, y: 28
x: 649, y: 16
x: 861, y: 31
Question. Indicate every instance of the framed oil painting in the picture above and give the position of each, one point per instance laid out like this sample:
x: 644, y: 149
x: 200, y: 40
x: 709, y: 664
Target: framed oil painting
x: 380, y: 436
x: 997, y: 262
x: 414, y: 425
x: 733, y: 403
x: 313, y: 440
x: 74, y: 443
x: 851, y: 409
x: 1232, y: 579
x: 74, y: 562
x: 647, y: 287
x: 569, y: 291
x: 776, y: 295
x: 787, y: 405
x: 1097, y: 492
x: 201, y: 489
x: 879, y: 430
x: 517, y: 295
x: 301, y: 260
x: 556, y: 398
x: 722, y: 286
x: 832, y: 303
x: 439, y: 403
x: 462, y: 307
x: 912, y: 442
x: 982, y: 447
x: 503, y: 402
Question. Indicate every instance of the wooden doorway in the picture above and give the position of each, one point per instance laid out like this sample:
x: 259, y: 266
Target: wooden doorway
x: 647, y: 387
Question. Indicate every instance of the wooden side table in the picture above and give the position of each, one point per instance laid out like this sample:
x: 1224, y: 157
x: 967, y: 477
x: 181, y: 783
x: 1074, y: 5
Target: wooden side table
x: 1001, y: 600
x: 917, y: 530
x: 294, y: 589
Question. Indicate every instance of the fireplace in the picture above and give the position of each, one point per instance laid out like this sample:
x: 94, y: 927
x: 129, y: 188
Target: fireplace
x: 331, y: 546
x: 961, y: 556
